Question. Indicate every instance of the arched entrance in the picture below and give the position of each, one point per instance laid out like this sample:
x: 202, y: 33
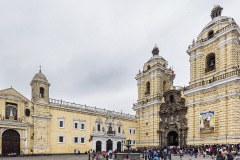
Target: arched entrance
x: 98, y: 146
x: 119, y: 146
x: 109, y: 145
x: 10, y: 142
x: 172, y: 138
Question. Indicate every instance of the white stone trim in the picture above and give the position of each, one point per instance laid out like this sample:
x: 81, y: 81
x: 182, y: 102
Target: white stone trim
x: 147, y: 104
x: 212, y: 85
x: 213, y: 39
x: 198, y: 55
x: 228, y: 40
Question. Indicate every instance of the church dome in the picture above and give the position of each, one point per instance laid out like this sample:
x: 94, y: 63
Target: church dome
x: 215, y: 25
x: 40, y: 76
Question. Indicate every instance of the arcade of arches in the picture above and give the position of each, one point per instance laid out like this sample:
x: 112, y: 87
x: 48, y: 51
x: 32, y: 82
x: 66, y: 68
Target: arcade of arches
x: 173, y: 122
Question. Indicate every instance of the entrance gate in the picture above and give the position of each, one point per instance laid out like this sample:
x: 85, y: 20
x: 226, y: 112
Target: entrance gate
x: 98, y: 146
x: 119, y: 146
x: 10, y: 142
x: 109, y: 145
x: 172, y: 138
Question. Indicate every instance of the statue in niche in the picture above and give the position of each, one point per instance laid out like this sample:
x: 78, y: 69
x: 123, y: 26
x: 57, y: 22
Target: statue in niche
x: 171, y: 117
x: 103, y: 129
x: 93, y: 129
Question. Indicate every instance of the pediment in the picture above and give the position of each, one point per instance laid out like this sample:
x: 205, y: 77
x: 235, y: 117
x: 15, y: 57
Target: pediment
x: 12, y: 93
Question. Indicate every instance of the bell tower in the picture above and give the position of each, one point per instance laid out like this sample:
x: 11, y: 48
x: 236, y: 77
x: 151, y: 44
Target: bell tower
x: 40, y: 88
x: 213, y: 92
x: 155, y: 79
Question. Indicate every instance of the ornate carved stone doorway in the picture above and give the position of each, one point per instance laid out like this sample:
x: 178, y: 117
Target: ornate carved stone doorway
x: 10, y: 142
x: 172, y: 139
x: 173, y: 120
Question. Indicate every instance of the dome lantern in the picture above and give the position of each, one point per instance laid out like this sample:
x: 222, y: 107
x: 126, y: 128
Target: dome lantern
x: 155, y: 50
x: 216, y: 11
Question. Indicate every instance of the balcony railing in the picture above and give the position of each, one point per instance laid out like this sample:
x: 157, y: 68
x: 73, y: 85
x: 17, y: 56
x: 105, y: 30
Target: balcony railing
x: 111, y: 132
x: 215, y: 34
x: 214, y: 79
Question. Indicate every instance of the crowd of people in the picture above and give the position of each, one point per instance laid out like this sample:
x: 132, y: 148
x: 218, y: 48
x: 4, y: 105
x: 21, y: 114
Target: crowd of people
x: 218, y: 152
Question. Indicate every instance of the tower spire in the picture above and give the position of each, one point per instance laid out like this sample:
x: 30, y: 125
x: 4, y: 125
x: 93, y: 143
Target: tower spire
x: 40, y: 70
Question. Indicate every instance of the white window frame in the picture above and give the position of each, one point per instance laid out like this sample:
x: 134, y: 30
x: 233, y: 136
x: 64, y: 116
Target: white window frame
x: 81, y: 140
x: 58, y: 139
x: 77, y: 140
x: 75, y: 122
x: 134, y: 142
x: 81, y: 126
x: 120, y: 129
x: 97, y: 127
x: 59, y: 122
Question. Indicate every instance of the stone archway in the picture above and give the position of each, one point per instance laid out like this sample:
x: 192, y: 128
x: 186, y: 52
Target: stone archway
x: 10, y: 142
x: 119, y: 146
x: 109, y: 145
x: 172, y: 138
x: 98, y: 146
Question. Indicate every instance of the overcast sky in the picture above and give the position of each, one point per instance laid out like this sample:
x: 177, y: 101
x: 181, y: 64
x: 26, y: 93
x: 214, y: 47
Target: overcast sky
x: 90, y: 51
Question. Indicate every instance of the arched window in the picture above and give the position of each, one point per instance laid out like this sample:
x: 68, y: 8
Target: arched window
x: 148, y: 67
x: 41, y: 92
x: 119, y: 129
x: 147, y: 88
x: 98, y: 127
x: 164, y: 86
x: 210, y: 34
x: 210, y: 62
x: 171, y: 98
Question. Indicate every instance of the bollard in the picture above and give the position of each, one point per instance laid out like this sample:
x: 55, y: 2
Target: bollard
x: 107, y: 157
x: 89, y: 157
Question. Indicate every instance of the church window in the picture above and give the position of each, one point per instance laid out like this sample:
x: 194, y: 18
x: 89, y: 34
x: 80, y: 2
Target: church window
x: 60, y: 139
x: 164, y: 86
x: 210, y: 62
x: 210, y: 34
x: 27, y: 112
x: 11, y: 111
x: 75, y: 124
x: 134, y: 142
x: 130, y: 131
x: 82, y: 139
x: 171, y: 98
x: 83, y: 126
x: 41, y: 92
x: 119, y: 129
x: 61, y: 122
x: 147, y: 88
x: 98, y: 127
x: 134, y: 131
x: 148, y: 67
x: 75, y: 139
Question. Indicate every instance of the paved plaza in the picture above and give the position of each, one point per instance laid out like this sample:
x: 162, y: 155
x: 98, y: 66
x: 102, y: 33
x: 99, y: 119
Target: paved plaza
x: 85, y: 157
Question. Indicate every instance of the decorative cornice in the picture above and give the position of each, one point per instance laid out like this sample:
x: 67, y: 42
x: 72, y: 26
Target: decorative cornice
x: 211, y: 85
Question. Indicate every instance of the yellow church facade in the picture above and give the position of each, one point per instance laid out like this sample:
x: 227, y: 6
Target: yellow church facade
x: 49, y: 126
x: 213, y: 91
x: 205, y: 112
